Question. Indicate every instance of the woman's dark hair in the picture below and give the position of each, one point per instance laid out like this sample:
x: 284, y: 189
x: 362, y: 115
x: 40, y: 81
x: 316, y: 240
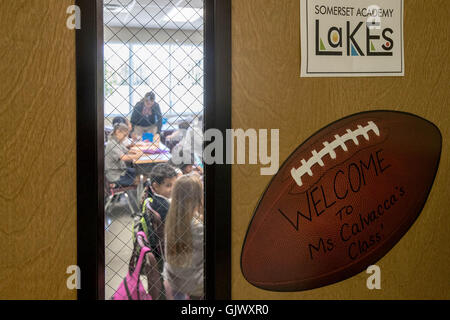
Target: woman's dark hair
x: 150, y: 96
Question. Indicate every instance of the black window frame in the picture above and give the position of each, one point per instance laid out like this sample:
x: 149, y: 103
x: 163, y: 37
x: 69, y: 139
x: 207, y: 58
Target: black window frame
x: 90, y: 149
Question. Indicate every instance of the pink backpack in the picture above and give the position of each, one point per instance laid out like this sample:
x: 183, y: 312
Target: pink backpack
x: 131, y: 287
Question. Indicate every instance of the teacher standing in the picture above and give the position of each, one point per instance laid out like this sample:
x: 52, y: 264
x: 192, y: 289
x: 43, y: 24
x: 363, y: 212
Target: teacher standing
x: 146, y: 116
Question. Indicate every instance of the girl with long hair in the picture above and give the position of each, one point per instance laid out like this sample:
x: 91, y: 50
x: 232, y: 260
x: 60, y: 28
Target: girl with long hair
x: 183, y: 268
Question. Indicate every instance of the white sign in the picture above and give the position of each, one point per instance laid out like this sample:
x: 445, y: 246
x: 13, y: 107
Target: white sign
x: 352, y: 38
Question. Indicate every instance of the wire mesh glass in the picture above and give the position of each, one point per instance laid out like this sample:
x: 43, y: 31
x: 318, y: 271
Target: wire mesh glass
x: 150, y: 46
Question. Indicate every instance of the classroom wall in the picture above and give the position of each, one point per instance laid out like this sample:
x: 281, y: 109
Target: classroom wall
x: 267, y: 92
x: 37, y: 149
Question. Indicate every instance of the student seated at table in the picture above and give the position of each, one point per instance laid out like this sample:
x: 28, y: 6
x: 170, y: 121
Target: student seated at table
x: 120, y: 119
x: 183, y: 268
x: 116, y: 154
x: 192, y: 142
x: 186, y: 165
x: 129, y: 141
x: 190, y: 168
x: 177, y: 135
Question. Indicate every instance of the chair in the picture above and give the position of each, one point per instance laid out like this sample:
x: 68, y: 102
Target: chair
x: 114, y: 193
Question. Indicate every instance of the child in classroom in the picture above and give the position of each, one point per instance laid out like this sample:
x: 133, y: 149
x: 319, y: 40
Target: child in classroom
x: 183, y: 267
x: 116, y: 156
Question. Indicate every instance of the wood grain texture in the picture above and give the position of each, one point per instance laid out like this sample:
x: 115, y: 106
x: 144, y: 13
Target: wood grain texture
x: 37, y: 149
x: 268, y: 93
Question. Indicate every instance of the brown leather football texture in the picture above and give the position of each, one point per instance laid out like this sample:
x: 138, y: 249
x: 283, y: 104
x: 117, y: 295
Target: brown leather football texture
x: 341, y: 201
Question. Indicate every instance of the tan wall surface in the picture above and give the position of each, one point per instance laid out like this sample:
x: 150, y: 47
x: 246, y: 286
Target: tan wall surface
x: 268, y: 93
x: 37, y: 149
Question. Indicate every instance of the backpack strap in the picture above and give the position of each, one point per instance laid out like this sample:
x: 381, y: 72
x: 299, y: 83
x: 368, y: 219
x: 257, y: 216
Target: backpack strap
x: 127, y: 289
x: 137, y: 288
x: 144, y: 236
x: 137, y: 219
x: 144, y: 225
x: 130, y: 297
x: 137, y: 270
x: 156, y: 215
x: 147, y: 201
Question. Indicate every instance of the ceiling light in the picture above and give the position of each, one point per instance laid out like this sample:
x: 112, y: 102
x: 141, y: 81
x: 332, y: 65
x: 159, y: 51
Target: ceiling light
x: 184, y: 15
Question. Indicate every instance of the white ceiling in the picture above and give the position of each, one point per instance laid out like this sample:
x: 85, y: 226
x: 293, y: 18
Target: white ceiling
x: 154, y: 14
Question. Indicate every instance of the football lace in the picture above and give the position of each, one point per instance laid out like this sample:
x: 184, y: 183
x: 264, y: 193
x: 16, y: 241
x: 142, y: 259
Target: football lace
x: 329, y: 149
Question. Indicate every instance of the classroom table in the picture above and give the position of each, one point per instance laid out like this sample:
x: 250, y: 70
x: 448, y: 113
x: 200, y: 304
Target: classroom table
x: 151, y: 157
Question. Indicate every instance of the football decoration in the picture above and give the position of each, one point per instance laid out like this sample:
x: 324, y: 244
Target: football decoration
x: 341, y: 201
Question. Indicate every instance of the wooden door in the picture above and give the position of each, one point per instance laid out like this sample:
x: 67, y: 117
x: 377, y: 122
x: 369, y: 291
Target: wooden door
x: 267, y: 92
x: 38, y: 223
